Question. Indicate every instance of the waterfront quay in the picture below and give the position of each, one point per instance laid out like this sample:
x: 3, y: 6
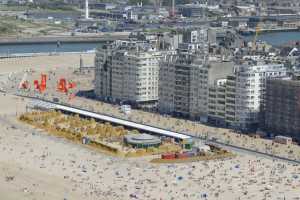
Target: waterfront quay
x: 66, y: 39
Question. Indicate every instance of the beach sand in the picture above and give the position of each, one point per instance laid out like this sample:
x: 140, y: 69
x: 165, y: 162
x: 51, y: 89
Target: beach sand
x: 42, y: 63
x: 46, y: 167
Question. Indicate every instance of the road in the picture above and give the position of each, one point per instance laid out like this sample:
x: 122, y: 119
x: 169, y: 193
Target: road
x: 243, y: 150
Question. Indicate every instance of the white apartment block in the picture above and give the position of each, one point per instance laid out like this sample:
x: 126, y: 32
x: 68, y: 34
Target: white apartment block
x: 250, y: 90
x: 238, y: 100
x: 128, y: 71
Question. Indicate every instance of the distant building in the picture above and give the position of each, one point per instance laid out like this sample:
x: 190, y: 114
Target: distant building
x: 4, y: 2
x: 192, y: 10
x: 131, y: 15
x: 163, y: 12
x: 85, y: 25
x: 195, y: 36
x: 172, y: 41
x: 282, y: 111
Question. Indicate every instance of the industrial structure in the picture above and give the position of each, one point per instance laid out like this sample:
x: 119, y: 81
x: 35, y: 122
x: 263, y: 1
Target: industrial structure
x: 87, y: 16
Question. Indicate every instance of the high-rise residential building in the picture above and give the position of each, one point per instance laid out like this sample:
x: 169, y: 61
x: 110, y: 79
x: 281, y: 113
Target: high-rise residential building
x: 128, y: 71
x: 222, y: 102
x: 239, y: 99
x: 221, y: 94
x: 192, y: 10
x: 183, y: 82
x: 217, y: 102
x: 230, y: 100
x: 282, y: 110
x: 185, y: 79
x: 251, y: 77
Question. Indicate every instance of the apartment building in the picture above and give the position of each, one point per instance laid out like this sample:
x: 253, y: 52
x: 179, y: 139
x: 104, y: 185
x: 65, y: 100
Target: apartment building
x: 230, y: 98
x: 222, y: 102
x: 282, y: 114
x: 217, y: 102
x: 221, y: 96
x: 128, y: 71
x: 191, y: 36
x: 185, y: 79
x: 251, y: 78
x: 238, y: 100
x: 183, y: 82
x: 166, y: 84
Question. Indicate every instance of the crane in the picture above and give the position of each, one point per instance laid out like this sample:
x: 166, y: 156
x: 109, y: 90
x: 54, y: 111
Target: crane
x: 257, y: 30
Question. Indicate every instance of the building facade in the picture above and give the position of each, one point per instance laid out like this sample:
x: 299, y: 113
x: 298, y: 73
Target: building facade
x: 222, y: 95
x: 183, y: 82
x: 186, y: 78
x: 195, y: 36
x: 128, y: 71
x: 238, y: 100
x: 283, y: 107
x: 192, y: 10
x: 251, y: 78
x: 217, y: 102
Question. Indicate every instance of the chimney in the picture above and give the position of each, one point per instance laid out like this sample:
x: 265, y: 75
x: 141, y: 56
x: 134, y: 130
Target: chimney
x: 87, y: 9
x: 173, y: 8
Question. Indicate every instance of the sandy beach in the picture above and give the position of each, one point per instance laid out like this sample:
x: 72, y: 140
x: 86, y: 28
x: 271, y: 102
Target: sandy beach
x: 35, y: 165
x: 42, y: 63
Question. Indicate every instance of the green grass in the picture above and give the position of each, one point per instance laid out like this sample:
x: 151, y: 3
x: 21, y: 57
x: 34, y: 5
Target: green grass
x: 11, y: 26
x: 13, y: 8
x: 7, y: 27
